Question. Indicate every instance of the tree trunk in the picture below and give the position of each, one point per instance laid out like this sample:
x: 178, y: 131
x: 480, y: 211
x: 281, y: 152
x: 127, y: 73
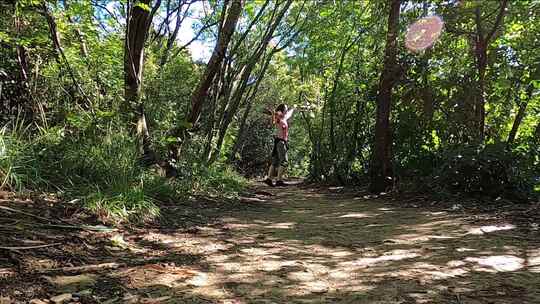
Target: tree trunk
x: 482, y: 41
x: 519, y: 117
x: 199, y: 95
x: 335, y: 85
x: 172, y: 36
x: 139, y: 21
x: 241, y: 129
x: 229, y: 18
x: 250, y: 98
x: 246, y: 73
x: 61, y: 56
x: 82, y: 44
x: 381, y: 160
x: 22, y: 58
x: 481, y: 65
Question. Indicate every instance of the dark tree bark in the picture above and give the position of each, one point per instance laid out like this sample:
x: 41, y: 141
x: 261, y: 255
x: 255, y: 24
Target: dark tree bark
x: 522, y: 110
x: 229, y: 18
x: 381, y: 172
x: 138, y: 25
x: 482, y: 41
x: 22, y: 58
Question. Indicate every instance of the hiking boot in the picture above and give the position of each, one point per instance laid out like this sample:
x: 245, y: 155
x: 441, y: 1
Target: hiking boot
x: 268, y: 182
x: 280, y: 184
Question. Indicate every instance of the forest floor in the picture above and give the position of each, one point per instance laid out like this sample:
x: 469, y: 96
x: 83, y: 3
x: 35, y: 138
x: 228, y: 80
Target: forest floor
x: 299, y: 244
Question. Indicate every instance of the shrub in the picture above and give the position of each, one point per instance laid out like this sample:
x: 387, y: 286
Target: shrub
x: 486, y: 170
x: 99, y: 166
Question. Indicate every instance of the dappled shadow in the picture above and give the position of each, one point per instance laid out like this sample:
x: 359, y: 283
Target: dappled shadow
x: 305, y: 246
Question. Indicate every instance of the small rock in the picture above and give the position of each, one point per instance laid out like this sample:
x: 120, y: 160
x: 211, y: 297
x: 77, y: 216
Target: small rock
x: 63, y: 298
x: 37, y: 301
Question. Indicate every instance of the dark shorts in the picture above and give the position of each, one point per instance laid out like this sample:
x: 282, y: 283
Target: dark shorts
x: 279, y: 153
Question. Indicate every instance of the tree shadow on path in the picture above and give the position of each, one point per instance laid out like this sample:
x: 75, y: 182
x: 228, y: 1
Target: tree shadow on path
x: 304, y: 246
x: 301, y: 245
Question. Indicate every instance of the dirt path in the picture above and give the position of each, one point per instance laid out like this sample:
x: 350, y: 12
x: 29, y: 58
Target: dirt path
x: 302, y: 246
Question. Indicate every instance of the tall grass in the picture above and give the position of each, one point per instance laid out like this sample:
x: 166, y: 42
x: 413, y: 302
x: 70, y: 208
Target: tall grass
x: 100, y: 167
x: 18, y: 161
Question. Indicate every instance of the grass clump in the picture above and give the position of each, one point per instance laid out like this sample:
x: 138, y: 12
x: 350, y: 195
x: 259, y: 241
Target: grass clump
x: 100, y: 167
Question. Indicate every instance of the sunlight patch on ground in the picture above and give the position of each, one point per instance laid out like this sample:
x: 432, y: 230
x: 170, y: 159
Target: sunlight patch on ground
x: 358, y: 215
x: 395, y: 255
x: 429, y: 272
x: 328, y: 251
x: 155, y: 274
x: 498, y: 263
x: 533, y: 260
x: 240, y: 226
x: 418, y: 238
x: 487, y: 229
x: 281, y: 226
x: 6, y: 273
x: 464, y: 249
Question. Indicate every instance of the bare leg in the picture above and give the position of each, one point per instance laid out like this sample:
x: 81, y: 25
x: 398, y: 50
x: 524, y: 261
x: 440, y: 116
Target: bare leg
x: 271, y: 172
x: 280, y: 171
x: 268, y: 179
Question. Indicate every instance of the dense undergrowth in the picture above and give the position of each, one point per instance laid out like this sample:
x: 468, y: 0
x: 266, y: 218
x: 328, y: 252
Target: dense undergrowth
x: 99, y: 167
x: 487, y: 171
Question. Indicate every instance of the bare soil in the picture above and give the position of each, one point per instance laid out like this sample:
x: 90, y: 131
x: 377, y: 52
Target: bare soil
x: 277, y: 245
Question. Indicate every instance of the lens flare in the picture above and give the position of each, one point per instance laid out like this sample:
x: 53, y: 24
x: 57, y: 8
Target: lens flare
x: 423, y: 33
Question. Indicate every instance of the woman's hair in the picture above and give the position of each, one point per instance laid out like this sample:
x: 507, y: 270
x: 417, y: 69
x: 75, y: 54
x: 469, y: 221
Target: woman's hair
x: 281, y: 108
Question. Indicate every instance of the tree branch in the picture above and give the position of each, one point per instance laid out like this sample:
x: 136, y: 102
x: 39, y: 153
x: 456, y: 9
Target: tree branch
x: 499, y: 20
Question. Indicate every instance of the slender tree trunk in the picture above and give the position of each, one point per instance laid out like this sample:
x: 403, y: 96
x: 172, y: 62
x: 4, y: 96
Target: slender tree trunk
x: 381, y: 160
x: 241, y: 130
x: 332, y: 102
x: 229, y: 18
x: 199, y: 95
x: 246, y: 73
x: 250, y: 98
x: 23, y: 63
x: 522, y: 110
x: 82, y: 44
x: 482, y: 41
x: 172, y: 36
x: 138, y: 24
x: 22, y: 59
x: 481, y: 65
x: 61, y: 56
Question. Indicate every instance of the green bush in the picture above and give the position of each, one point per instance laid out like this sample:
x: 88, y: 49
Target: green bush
x: 18, y: 162
x: 97, y: 163
x: 486, y: 170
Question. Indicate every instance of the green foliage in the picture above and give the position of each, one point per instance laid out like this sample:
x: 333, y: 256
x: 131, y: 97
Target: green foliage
x: 18, y: 161
x: 491, y: 170
x: 87, y: 149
